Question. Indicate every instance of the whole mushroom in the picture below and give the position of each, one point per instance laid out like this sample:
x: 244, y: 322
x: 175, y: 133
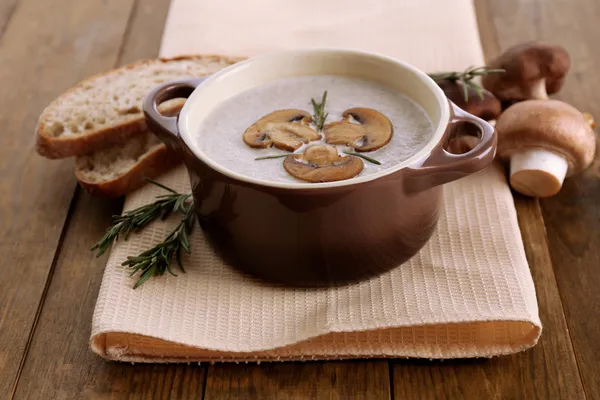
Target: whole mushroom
x: 532, y: 71
x: 544, y: 141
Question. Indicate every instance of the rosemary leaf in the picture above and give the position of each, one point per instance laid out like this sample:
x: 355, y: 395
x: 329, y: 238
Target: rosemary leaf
x: 178, y: 258
x: 319, y: 115
x: 152, y: 181
x: 477, y: 89
x: 170, y: 270
x: 270, y: 157
x: 465, y: 92
x: 369, y: 159
x: 145, y: 276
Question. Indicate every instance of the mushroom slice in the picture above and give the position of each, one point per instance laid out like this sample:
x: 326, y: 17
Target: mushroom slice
x: 373, y: 130
x: 284, y: 129
x: 322, y: 163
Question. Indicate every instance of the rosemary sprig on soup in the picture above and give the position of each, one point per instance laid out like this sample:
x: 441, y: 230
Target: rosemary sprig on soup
x: 319, y: 114
x: 323, y: 128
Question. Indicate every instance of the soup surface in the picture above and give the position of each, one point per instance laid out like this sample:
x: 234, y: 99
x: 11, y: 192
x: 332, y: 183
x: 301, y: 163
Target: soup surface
x: 220, y: 135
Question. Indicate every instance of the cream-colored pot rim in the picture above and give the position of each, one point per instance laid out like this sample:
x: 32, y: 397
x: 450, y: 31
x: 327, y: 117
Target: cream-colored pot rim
x: 254, y: 71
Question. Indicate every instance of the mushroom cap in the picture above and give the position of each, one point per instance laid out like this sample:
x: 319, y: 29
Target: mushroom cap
x: 589, y: 118
x: 373, y: 130
x: 285, y: 129
x: 524, y: 65
x: 322, y: 163
x: 548, y: 124
x: 487, y: 108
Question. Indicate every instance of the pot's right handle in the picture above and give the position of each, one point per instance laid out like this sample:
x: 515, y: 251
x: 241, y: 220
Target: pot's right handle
x: 441, y: 166
x: 165, y: 127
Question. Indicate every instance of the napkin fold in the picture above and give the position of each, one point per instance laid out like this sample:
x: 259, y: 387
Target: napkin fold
x: 467, y: 293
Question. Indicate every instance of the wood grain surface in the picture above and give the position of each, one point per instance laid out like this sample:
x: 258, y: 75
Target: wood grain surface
x: 7, y: 8
x: 573, y: 216
x: 327, y: 380
x: 65, y: 368
x: 43, y: 51
x: 50, y: 282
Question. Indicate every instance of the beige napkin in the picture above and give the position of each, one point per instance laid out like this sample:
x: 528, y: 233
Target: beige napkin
x: 468, y: 293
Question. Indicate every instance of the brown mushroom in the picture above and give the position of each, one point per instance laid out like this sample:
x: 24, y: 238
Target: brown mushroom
x: 487, y: 106
x: 322, y: 163
x: 589, y: 118
x: 533, y: 70
x: 372, y: 131
x: 544, y: 140
x: 284, y: 129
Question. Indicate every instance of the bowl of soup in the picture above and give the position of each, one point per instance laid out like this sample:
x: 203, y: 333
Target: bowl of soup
x: 318, y: 167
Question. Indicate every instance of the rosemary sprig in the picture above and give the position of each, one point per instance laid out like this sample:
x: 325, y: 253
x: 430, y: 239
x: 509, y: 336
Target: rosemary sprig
x: 465, y: 78
x: 369, y: 159
x: 134, y: 220
x: 157, y: 260
x: 269, y: 157
x: 319, y: 115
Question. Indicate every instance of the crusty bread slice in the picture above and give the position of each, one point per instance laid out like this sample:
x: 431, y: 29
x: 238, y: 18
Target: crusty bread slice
x: 106, y: 109
x: 120, y: 169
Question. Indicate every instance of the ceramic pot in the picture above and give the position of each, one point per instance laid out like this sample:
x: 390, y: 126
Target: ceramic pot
x: 320, y: 234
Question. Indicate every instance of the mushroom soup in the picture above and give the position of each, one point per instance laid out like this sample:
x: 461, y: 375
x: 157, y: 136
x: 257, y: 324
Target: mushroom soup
x: 359, y: 120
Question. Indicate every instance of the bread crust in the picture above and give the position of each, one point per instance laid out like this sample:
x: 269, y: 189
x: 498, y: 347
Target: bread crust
x: 150, y: 165
x: 60, y: 147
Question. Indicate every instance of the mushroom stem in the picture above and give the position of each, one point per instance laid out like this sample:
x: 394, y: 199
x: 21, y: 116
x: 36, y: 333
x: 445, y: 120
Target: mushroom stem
x: 537, y: 172
x: 538, y: 90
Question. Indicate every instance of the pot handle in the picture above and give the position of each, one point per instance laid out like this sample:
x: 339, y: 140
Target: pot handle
x: 440, y: 166
x: 165, y: 127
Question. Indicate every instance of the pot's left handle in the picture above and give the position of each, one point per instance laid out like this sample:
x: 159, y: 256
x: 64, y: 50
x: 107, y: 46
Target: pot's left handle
x: 165, y: 127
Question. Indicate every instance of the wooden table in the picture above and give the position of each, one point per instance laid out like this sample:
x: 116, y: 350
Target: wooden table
x: 49, y: 281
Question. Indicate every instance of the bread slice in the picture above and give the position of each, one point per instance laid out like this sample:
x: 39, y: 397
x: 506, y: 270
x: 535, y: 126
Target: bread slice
x: 106, y: 109
x: 120, y: 169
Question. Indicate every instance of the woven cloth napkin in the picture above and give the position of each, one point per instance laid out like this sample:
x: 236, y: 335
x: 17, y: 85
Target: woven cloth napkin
x: 468, y: 293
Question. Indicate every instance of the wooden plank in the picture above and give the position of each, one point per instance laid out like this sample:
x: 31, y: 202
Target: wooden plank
x: 325, y: 380
x: 573, y: 216
x: 549, y: 370
x: 7, y: 8
x: 59, y: 363
x: 145, y: 30
x: 44, y: 50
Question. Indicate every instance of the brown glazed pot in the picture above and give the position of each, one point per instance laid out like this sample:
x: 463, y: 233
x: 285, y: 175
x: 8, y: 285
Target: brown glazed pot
x: 320, y: 234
